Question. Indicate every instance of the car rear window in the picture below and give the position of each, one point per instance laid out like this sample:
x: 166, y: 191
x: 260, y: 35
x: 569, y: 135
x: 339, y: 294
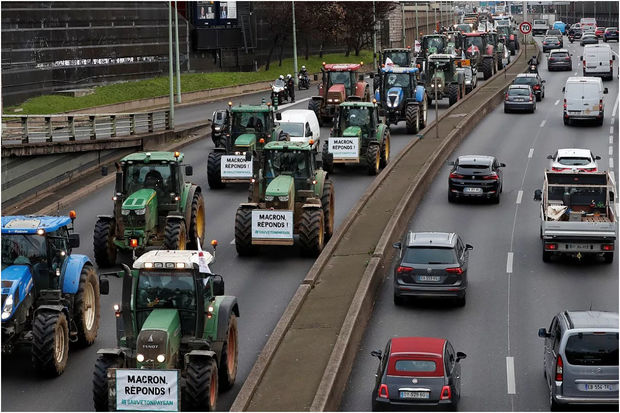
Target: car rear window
x: 540, y: 21
x: 518, y: 92
x: 412, y: 366
x: 551, y: 39
x: 559, y: 54
x: 592, y: 349
x: 570, y: 160
x: 415, y: 365
x: 525, y: 81
x: 428, y: 255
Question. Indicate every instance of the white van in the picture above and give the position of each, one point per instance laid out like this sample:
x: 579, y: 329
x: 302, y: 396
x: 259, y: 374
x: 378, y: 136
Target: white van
x: 598, y: 60
x: 301, y: 125
x: 583, y: 99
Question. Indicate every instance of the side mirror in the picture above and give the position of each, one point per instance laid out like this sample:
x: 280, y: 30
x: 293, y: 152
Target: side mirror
x: 218, y: 285
x: 543, y: 81
x: 612, y: 196
x: 74, y: 240
x: 104, y: 286
x: 315, y: 77
x: 469, y: 247
x: 538, y: 195
x: 361, y: 78
x: 460, y: 356
x: 189, y: 171
x: 597, y: 157
x: 605, y: 91
x: 248, y: 156
x: 372, y: 75
x: 104, y: 171
x: 563, y: 89
x: 580, y: 57
x: 278, y: 116
x: 613, y: 56
x: 398, y: 245
x: 502, y: 165
x: 542, y: 333
x: 310, y: 133
x: 377, y: 354
x: 550, y: 157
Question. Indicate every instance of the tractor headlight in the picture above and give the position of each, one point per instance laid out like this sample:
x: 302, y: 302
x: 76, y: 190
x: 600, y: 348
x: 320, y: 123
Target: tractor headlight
x: 124, y: 212
x: 283, y: 198
x: 8, y: 307
x: 268, y: 197
x: 141, y: 211
x: 161, y: 358
x: 217, y: 128
x: 140, y: 358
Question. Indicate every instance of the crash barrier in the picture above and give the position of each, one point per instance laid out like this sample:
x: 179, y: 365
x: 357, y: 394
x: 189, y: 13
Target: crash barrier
x: 312, y: 348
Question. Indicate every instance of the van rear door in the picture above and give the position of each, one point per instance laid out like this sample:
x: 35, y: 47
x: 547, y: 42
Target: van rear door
x: 573, y: 93
x: 591, y: 98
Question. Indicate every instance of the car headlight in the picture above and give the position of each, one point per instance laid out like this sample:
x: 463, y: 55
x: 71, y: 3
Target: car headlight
x: 217, y: 128
x: 8, y: 307
x: 140, y: 358
x: 161, y: 358
x: 283, y: 198
x: 268, y: 197
x: 140, y: 211
x: 125, y: 212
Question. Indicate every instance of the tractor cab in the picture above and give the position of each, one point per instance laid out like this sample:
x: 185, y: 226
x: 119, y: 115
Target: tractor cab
x: 396, y: 86
x: 401, y: 57
x: 440, y: 66
x: 474, y: 44
x: 454, y: 45
x: 250, y: 124
x: 340, y: 80
x: 434, y: 43
x: 357, y: 120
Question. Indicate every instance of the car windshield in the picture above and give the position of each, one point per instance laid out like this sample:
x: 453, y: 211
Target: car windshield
x: 523, y: 80
x: 355, y: 116
x: 160, y: 177
x: 540, y: 22
x: 592, y: 349
x: 464, y: 28
x: 439, y: 66
x: 573, y: 161
x: 397, y: 80
x: 219, y: 118
x: 429, y: 255
x: 166, y: 289
x: 293, y: 128
x: 248, y: 122
x: 294, y: 163
x: 518, y: 92
x: 398, y: 58
x: 411, y: 366
x: 22, y: 249
x: 589, y: 37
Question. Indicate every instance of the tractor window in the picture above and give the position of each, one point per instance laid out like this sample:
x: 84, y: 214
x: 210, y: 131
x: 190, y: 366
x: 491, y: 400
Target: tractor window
x: 248, y: 122
x: 473, y: 43
x: 292, y: 163
x: 343, y: 78
x: 399, y: 58
x: 22, y: 249
x: 161, y: 177
x: 435, y: 45
x: 397, y: 80
x: 355, y: 117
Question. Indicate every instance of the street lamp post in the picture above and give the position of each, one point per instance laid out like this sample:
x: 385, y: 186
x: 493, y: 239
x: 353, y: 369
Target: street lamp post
x: 176, y: 39
x: 295, y: 47
x: 170, y: 70
x: 402, y: 8
x: 374, y: 35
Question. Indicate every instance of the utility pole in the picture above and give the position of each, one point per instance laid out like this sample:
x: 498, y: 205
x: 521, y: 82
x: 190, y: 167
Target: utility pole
x: 295, y: 47
x: 440, y: 14
x: 374, y: 35
x: 435, y: 15
x: 176, y: 38
x: 525, y: 35
x: 436, y: 107
x: 170, y: 70
x: 417, y: 29
x: 402, y: 8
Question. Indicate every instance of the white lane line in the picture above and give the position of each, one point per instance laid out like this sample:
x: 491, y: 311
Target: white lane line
x: 611, y: 139
x: 529, y: 155
x: 613, y: 120
x: 611, y: 150
x: 519, y: 196
x: 611, y: 163
x: 232, y: 242
x: 542, y: 124
x: 613, y: 177
x: 509, y: 263
x: 575, y: 73
x: 510, y: 375
x: 611, y: 130
x: 613, y: 112
x: 293, y: 104
x: 556, y: 102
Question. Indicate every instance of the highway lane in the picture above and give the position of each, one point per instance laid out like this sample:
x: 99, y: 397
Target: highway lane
x: 506, y: 303
x: 263, y: 284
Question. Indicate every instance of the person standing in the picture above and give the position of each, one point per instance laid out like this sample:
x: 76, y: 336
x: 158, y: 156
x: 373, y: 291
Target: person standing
x: 290, y: 85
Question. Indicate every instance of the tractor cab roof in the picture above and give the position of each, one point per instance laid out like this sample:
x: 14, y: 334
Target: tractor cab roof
x: 342, y: 67
x: 288, y: 145
x: 398, y: 49
x: 171, y: 259
x: 155, y: 156
x: 440, y: 56
x: 397, y: 69
x: 474, y: 34
x: 354, y: 104
x: 30, y: 224
x: 263, y: 108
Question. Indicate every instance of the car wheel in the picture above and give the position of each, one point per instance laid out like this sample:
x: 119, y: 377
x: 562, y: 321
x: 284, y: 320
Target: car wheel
x: 451, y: 197
x: 461, y: 301
x: 496, y: 198
x: 553, y: 405
x: 399, y: 300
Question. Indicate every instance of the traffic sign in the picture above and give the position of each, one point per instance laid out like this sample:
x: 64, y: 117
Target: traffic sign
x: 525, y: 27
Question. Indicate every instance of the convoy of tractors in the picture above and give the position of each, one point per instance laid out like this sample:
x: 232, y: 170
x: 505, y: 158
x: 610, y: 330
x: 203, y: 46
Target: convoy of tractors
x: 173, y: 315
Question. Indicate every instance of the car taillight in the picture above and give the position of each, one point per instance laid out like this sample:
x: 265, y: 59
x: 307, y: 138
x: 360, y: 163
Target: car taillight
x: 446, y: 393
x: 544, y: 42
x: 403, y: 270
x: 588, y: 169
x: 558, y: 369
x: 536, y: 87
x: 556, y: 169
x: 506, y: 96
x: 493, y: 176
x: 551, y: 246
x: 551, y: 58
x: 531, y: 97
x: 457, y: 176
x: 584, y: 63
x: 607, y: 247
x: 457, y: 270
x: 383, y: 391
x: 567, y: 58
x: 611, y: 63
x: 600, y: 104
x: 564, y: 103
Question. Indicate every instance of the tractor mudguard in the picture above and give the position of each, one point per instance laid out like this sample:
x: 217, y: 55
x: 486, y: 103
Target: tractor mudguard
x: 185, y: 194
x: 360, y: 89
x: 187, y: 198
x: 105, y: 217
x: 377, y: 96
x: 56, y: 308
x: 420, y: 94
x: 380, y: 133
x: 227, y: 305
x: 197, y: 354
x: 71, y: 271
x: 111, y: 351
x: 175, y: 215
x: 319, y: 98
x: 219, y: 149
x: 252, y: 205
x: 311, y: 206
x: 320, y: 176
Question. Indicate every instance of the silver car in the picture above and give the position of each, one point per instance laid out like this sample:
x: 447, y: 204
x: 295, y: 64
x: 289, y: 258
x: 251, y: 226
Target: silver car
x: 573, y: 160
x: 519, y: 97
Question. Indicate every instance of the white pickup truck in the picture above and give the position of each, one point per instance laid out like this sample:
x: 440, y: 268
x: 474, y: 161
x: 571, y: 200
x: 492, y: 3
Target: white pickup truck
x: 539, y: 26
x: 577, y: 214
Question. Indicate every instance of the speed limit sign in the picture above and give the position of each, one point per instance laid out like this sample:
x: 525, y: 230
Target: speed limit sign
x: 525, y: 27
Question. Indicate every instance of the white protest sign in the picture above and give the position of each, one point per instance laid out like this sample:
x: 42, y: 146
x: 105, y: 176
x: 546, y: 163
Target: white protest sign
x: 235, y: 166
x: 344, y: 148
x: 147, y: 390
x: 272, y: 224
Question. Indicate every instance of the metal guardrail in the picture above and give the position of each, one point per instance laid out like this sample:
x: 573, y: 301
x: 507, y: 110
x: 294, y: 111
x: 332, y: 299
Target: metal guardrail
x: 29, y: 129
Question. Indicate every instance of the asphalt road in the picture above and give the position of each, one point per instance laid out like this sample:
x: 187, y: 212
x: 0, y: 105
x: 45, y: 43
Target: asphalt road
x: 507, y: 301
x: 263, y: 284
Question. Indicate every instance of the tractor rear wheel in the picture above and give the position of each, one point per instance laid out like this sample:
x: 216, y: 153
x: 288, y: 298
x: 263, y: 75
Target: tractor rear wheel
x: 327, y: 203
x: 328, y: 159
x: 197, y: 221
x: 487, y: 68
x: 315, y: 106
x: 175, y: 235
x: 385, y: 150
x: 103, y: 243
x: 422, y: 115
x: 412, y: 118
x: 243, y: 232
x: 201, y: 385
x: 453, y: 93
x: 50, y: 343
x: 373, y: 159
x: 214, y: 170
x: 311, y: 232
x: 500, y: 64
x: 511, y: 46
x: 100, y: 380
x: 230, y: 355
x: 87, y: 306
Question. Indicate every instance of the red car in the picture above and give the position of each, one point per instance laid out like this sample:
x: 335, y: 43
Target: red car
x: 599, y: 31
x: 421, y: 372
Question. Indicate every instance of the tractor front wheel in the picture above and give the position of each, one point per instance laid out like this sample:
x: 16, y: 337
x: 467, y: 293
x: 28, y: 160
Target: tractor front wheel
x: 422, y: 116
x: 328, y: 159
x: 230, y: 356
x: 243, y: 232
x: 87, y: 306
x: 103, y: 243
x: 373, y: 159
x: 412, y: 118
x: 100, y: 380
x: 175, y: 235
x: 214, y: 170
x: 50, y: 343
x: 487, y: 68
x: 327, y: 202
x: 311, y: 232
x: 315, y: 106
x: 201, y: 386
x: 453, y: 93
x: 385, y: 150
x: 197, y: 221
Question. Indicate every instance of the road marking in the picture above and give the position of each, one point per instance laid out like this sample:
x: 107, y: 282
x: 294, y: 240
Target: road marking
x: 575, y: 73
x: 519, y: 196
x: 613, y: 120
x: 542, y: 124
x: 509, y: 263
x: 611, y: 163
x: 611, y: 140
x: 611, y: 150
x: 529, y: 155
x: 613, y: 112
x: 611, y: 130
x: 510, y: 375
x: 293, y: 104
x: 613, y: 177
x: 232, y: 242
x: 556, y: 102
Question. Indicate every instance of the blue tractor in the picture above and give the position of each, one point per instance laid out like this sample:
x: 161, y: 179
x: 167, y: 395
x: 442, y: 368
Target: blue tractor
x: 50, y: 297
x: 401, y: 98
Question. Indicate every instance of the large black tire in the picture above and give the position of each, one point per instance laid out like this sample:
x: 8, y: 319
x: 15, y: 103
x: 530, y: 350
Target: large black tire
x: 312, y: 232
x: 412, y: 118
x: 214, y: 171
x: 328, y: 159
x: 453, y: 93
x: 461, y: 301
x: 385, y: 150
x: 423, y: 113
x: 87, y: 306
x: 103, y: 243
x: 175, y: 235
x: 50, y: 343
x: 546, y: 256
x: 201, y: 386
x: 608, y: 257
x: 229, y: 359
x: 100, y: 380
x: 487, y: 68
x: 399, y: 300
x: 512, y: 47
x: 500, y: 64
x: 196, y: 222
x: 315, y: 106
x: 373, y: 159
x: 243, y: 232
x: 328, y: 205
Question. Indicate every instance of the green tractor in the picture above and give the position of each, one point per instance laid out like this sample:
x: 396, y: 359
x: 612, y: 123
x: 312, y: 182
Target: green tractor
x: 430, y: 44
x: 443, y: 80
x: 176, y: 337
x: 358, y: 136
x: 153, y: 207
x: 289, y: 196
x: 250, y: 128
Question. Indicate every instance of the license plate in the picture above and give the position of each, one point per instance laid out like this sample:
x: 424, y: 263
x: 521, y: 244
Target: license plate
x: 599, y: 387
x: 414, y: 395
x: 579, y: 246
x: 472, y: 190
x: 519, y: 100
x: 429, y: 278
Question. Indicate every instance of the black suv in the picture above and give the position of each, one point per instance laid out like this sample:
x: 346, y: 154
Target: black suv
x: 475, y: 176
x: 432, y: 264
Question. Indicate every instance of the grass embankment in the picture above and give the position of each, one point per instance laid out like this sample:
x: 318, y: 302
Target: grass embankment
x: 190, y: 82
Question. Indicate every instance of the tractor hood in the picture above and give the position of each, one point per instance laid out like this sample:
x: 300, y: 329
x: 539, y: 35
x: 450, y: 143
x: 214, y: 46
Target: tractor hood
x: 441, y: 78
x: 336, y: 93
x: 160, y: 334
x: 245, y: 140
x: 352, y: 132
x: 15, y: 278
x: 394, y: 97
x: 281, y: 185
x: 140, y: 199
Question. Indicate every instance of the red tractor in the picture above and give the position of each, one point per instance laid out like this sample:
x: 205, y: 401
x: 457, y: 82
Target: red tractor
x: 480, y: 51
x: 341, y: 82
